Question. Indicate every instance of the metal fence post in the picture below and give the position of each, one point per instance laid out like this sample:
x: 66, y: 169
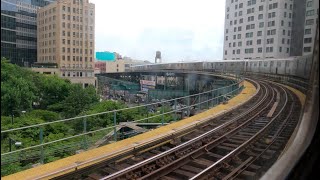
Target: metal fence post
x: 212, y: 96
x: 175, y: 109
x: 147, y: 114
x: 85, y: 145
x: 199, y: 106
x: 115, y: 125
x: 188, y: 101
x: 207, y: 100
x: 41, y: 150
x: 162, y: 116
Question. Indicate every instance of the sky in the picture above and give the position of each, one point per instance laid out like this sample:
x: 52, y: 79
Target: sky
x: 183, y: 30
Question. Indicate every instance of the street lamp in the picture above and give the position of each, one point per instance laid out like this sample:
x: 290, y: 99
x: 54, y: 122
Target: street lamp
x: 12, y: 115
x: 16, y: 143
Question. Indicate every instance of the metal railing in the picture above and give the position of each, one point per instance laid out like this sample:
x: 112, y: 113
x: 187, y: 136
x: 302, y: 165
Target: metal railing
x: 205, y: 100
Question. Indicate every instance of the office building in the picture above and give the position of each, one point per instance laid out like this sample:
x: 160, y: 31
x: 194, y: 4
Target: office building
x: 260, y: 29
x: 66, y: 39
x: 100, y: 66
x: 19, y: 30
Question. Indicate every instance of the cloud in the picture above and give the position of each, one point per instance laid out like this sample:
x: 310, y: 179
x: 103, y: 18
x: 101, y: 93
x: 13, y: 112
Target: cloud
x: 180, y: 29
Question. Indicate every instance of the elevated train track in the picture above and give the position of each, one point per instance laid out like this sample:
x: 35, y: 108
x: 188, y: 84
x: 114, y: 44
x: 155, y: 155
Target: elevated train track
x: 236, y: 145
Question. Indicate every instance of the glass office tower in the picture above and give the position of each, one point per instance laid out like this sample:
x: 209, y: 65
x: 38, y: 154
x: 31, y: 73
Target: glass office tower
x: 19, y: 30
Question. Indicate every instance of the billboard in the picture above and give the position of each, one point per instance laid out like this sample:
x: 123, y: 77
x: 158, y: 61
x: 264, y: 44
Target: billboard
x: 146, y: 85
x: 105, y: 56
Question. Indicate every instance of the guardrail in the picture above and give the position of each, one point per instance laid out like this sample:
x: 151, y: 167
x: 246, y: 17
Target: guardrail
x: 205, y: 100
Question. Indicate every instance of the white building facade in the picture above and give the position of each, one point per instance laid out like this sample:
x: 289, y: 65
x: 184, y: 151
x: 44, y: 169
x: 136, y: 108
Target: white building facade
x: 310, y: 26
x: 257, y: 29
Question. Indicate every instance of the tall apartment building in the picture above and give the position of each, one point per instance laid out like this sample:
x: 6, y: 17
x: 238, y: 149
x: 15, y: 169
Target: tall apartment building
x: 19, y: 30
x: 310, y: 26
x: 258, y: 29
x: 66, y: 39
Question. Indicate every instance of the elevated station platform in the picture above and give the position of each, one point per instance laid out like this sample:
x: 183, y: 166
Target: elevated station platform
x: 96, y: 155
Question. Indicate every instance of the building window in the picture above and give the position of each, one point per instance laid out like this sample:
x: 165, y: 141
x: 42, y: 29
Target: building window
x: 307, y: 49
x: 251, y: 18
x: 259, y: 41
x: 239, y: 28
x: 271, y: 32
x: 271, y: 23
x: 260, y: 8
x: 250, y: 34
x: 307, y: 40
x: 270, y: 41
x: 280, y: 49
x: 239, y: 44
x: 239, y: 36
x: 260, y: 16
x: 309, y: 22
x: 309, y: 3
x: 259, y: 33
x: 250, y: 10
x: 269, y: 49
x: 307, y: 31
x: 261, y: 24
x: 248, y: 51
x: 310, y: 13
x: 260, y: 50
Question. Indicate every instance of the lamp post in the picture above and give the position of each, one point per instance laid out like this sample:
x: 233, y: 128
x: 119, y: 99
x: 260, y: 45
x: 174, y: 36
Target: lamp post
x: 12, y: 115
x: 16, y: 143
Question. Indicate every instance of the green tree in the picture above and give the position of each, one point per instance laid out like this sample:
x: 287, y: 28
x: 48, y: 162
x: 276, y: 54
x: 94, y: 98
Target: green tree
x: 52, y: 90
x: 79, y: 99
x: 17, y: 91
x: 44, y: 115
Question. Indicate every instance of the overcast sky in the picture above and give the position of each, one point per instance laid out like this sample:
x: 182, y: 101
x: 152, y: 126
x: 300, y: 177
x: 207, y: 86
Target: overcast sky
x: 180, y: 29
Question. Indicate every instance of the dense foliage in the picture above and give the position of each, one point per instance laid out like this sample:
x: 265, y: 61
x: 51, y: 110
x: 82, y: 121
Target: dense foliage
x: 29, y: 98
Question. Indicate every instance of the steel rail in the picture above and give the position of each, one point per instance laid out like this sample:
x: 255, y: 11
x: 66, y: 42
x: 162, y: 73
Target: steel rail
x: 205, y: 148
x: 273, y: 140
x: 181, y: 146
x: 206, y: 171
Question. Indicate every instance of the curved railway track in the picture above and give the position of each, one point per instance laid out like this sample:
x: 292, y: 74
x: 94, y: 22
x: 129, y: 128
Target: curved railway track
x: 241, y: 144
